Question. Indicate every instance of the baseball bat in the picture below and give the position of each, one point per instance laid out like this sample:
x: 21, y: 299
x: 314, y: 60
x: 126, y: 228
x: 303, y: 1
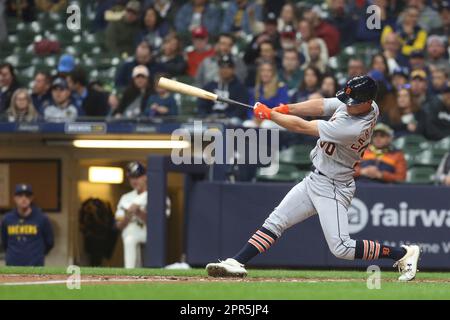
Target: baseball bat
x: 183, y: 88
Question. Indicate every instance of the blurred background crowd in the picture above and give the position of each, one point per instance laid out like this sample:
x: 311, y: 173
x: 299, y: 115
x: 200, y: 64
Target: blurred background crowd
x: 66, y: 61
x: 249, y: 50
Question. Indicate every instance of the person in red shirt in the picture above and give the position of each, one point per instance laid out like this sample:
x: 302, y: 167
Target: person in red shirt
x: 381, y: 162
x: 201, y: 50
x: 324, y: 30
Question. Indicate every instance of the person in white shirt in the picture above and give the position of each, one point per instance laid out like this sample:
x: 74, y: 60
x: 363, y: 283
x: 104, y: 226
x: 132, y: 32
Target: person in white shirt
x: 131, y: 215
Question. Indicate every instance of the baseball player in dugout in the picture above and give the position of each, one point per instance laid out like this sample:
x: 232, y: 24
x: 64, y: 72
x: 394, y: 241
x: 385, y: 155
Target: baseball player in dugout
x: 131, y: 215
x: 27, y: 234
x: 328, y: 190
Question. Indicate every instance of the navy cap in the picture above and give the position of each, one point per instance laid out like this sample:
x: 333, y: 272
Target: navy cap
x: 60, y: 83
x: 358, y: 90
x: 417, y: 54
x: 135, y: 169
x: 226, y: 60
x: 23, y: 188
x: 401, y: 71
x: 271, y: 18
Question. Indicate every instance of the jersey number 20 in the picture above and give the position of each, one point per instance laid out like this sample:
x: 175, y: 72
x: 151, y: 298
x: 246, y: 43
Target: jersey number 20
x: 329, y: 147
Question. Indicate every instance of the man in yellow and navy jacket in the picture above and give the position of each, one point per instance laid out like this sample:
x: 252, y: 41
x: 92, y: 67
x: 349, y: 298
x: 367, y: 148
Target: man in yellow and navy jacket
x: 381, y: 162
x: 27, y: 234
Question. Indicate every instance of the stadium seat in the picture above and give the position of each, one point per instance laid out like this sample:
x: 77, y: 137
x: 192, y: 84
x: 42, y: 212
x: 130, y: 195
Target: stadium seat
x: 430, y: 157
x: 410, y: 143
x: 298, y: 155
x: 420, y: 175
x: 443, y: 145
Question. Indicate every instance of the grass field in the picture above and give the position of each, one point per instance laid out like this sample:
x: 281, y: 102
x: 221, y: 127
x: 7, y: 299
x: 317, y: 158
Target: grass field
x: 193, y: 284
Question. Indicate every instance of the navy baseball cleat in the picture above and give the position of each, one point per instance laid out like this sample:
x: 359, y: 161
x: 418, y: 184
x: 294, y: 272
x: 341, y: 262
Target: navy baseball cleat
x: 227, y: 268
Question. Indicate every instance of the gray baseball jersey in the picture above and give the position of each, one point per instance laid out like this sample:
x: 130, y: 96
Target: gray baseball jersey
x: 329, y: 193
x: 343, y: 140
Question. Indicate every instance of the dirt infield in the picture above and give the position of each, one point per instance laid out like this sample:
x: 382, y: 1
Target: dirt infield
x: 16, y: 279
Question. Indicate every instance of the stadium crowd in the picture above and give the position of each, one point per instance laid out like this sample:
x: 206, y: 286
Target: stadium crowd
x: 249, y: 50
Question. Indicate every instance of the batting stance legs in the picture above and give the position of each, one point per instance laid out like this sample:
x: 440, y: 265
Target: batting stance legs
x: 316, y: 194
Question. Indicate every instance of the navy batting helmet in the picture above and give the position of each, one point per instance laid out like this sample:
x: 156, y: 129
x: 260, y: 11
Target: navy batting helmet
x: 358, y: 90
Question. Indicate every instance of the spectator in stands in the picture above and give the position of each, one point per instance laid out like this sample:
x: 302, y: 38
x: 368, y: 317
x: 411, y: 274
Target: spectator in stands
x: 329, y: 86
x: 419, y: 87
x: 66, y: 64
x: 228, y: 86
x: 412, y: 36
x: 155, y: 28
x: 143, y: 56
x: 324, y: 30
x: 24, y: 10
x: 435, y: 123
x: 27, y: 234
x: 379, y: 71
x: 391, y: 51
x: 161, y: 103
x: 201, y: 50
x: 428, y: 17
x: 8, y: 84
x: 439, y: 81
x: 90, y: 102
x: 315, y: 57
x: 355, y: 68
x: 209, y: 68
x: 131, y: 215
x: 291, y: 73
x: 41, y: 93
x: 416, y: 61
x: 444, y: 13
x: 166, y: 9
x: 343, y: 17
x: 381, y: 162
x: 22, y: 108
x: 399, y: 78
x: 267, y: 52
x: 240, y: 17
x: 442, y: 175
x: 101, y: 7
x: 198, y: 13
x: 171, y: 59
x: 135, y: 97
x: 268, y: 35
x: 404, y: 116
x: 288, y: 16
x: 3, y: 30
x: 121, y: 35
x: 311, y: 83
x: 51, y: 5
x: 268, y: 89
x: 436, y: 52
x: 62, y: 108
x: 288, y: 38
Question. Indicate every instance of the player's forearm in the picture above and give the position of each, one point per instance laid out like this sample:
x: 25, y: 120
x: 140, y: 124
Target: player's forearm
x: 313, y: 108
x: 295, y: 124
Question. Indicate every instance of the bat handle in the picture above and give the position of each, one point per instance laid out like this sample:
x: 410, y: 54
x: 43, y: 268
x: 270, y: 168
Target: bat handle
x: 231, y: 101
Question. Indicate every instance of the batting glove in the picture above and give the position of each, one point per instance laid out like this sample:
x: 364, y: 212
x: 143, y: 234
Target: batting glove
x: 282, y: 108
x: 261, y: 111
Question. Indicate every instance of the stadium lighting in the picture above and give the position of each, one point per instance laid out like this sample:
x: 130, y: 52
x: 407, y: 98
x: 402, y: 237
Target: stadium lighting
x: 112, y: 175
x: 131, y: 144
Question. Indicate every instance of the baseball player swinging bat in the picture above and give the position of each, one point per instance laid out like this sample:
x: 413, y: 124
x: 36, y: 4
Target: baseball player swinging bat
x: 328, y: 190
x: 183, y: 88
